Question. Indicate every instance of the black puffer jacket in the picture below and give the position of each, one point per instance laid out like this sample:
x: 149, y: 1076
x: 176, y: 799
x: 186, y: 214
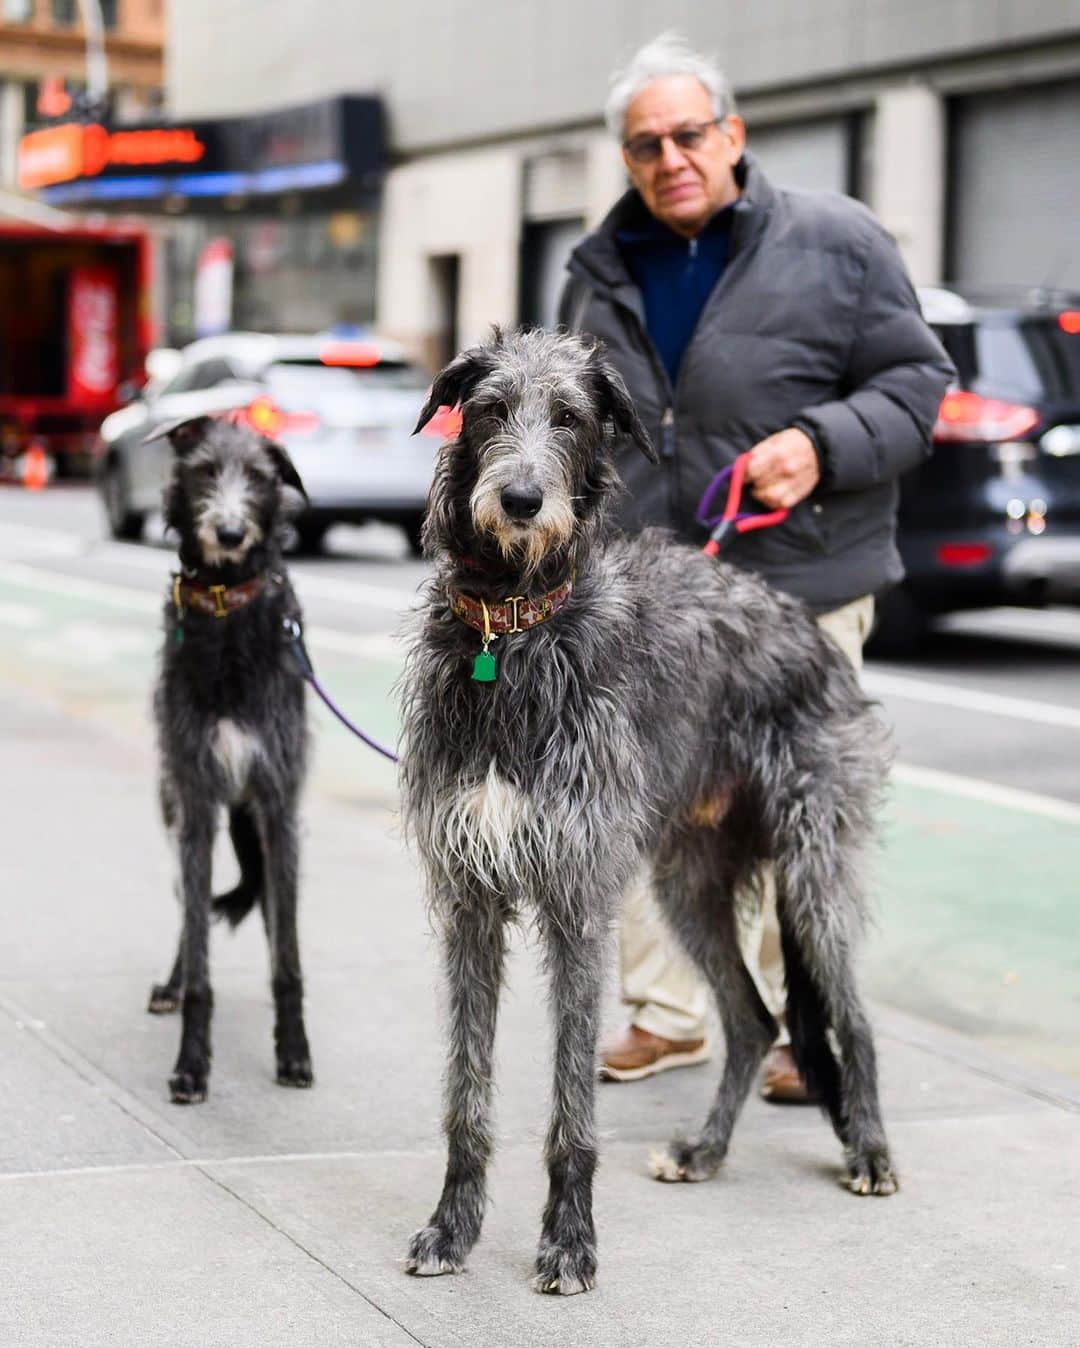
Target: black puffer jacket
x: 814, y: 323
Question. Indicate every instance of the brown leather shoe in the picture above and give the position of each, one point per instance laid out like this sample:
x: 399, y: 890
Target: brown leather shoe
x: 636, y: 1053
x: 781, y: 1080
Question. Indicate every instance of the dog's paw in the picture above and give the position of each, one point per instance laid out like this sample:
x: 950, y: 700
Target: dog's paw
x: 565, y: 1270
x: 164, y: 1000
x: 871, y: 1173
x: 688, y: 1162
x: 433, y: 1251
x: 187, y: 1086
x: 295, y: 1072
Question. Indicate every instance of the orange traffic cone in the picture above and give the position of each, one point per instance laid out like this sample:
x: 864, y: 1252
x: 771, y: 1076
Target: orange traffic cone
x: 35, y: 468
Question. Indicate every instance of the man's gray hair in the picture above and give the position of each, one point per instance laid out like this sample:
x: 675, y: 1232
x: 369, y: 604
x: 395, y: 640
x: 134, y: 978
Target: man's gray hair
x: 668, y: 54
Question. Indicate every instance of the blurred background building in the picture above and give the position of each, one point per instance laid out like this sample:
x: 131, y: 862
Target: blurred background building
x: 427, y: 166
x: 43, y: 65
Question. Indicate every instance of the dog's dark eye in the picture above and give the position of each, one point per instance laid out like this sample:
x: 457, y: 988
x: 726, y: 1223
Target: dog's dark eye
x: 500, y: 410
x: 567, y: 417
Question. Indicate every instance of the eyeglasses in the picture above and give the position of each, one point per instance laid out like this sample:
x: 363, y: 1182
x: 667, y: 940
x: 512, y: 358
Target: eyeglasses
x: 647, y: 149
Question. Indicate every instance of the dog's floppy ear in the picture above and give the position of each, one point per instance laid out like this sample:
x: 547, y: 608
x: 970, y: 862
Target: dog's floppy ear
x: 286, y: 468
x: 616, y: 403
x: 454, y: 384
x: 183, y: 433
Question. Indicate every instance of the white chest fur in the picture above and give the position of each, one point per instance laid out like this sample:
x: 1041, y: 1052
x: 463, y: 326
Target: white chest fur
x: 235, y: 749
x: 487, y: 828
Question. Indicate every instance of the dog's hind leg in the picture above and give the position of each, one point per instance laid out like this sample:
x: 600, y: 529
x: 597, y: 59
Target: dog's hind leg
x: 689, y: 889
x: 277, y: 828
x: 566, y: 1258
x: 166, y: 997
x: 238, y: 902
x: 474, y: 941
x: 818, y: 905
x: 196, y: 839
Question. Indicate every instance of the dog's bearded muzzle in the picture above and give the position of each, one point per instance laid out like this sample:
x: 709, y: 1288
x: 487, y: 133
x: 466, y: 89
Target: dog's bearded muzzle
x: 526, y: 521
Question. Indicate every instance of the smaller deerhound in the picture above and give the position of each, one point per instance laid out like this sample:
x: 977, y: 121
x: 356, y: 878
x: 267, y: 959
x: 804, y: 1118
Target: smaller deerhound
x: 578, y: 705
x: 231, y: 726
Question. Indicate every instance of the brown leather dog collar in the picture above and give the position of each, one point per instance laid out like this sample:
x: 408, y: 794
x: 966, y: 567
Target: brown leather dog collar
x: 515, y: 613
x: 216, y: 600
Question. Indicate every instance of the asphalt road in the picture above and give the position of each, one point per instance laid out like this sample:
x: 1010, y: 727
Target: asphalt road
x: 978, y: 925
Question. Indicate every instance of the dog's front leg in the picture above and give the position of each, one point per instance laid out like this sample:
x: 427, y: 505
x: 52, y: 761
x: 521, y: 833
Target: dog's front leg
x: 196, y: 839
x: 474, y: 940
x: 566, y: 1258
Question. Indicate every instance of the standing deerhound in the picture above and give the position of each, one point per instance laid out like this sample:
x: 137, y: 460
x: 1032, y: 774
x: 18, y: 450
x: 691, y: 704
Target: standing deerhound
x: 231, y: 729
x: 575, y: 707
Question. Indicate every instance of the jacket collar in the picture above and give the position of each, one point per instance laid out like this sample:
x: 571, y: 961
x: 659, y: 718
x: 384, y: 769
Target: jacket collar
x: 598, y: 261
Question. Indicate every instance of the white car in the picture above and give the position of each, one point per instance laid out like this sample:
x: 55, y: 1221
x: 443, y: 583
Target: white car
x: 344, y: 408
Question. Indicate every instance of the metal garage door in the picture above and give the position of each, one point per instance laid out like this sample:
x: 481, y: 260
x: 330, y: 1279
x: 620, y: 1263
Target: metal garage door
x: 813, y: 155
x: 1015, y: 189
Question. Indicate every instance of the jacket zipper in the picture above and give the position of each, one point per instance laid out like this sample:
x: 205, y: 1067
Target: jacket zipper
x: 667, y: 433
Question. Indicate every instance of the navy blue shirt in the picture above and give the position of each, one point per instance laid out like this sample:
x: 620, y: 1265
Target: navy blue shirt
x: 675, y: 276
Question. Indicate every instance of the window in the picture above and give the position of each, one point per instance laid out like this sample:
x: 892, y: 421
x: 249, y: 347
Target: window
x: 65, y: 12
x: 18, y: 11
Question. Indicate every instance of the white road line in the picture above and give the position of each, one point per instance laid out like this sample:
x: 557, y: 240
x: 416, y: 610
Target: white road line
x: 970, y: 699
x: 381, y: 646
x: 373, y: 645
x: 162, y: 562
x: 78, y: 587
x: 987, y: 793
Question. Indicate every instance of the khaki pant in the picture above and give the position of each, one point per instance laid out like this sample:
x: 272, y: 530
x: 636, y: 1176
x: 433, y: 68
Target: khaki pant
x: 659, y: 981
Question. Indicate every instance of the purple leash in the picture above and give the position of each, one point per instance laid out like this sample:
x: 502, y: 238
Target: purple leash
x: 295, y: 636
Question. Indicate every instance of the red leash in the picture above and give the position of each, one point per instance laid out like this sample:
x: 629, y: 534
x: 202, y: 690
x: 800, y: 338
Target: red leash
x: 731, y: 519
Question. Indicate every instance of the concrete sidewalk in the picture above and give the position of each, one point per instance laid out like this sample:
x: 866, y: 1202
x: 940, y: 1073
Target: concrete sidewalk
x: 269, y: 1217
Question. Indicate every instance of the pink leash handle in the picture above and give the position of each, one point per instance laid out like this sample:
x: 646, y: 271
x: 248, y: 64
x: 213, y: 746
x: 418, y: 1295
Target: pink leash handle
x: 732, y: 520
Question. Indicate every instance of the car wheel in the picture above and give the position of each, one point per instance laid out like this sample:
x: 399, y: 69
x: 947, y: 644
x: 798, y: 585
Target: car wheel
x: 901, y: 626
x: 123, y: 522
x: 413, y: 527
x: 310, y: 535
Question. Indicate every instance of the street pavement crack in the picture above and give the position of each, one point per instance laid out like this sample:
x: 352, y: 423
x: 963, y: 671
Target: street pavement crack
x: 279, y: 1230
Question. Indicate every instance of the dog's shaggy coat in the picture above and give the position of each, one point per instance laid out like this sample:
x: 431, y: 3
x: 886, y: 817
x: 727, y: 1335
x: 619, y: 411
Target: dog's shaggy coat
x: 677, y: 713
x: 232, y: 736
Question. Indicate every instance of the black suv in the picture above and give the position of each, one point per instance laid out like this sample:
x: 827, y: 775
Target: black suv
x: 994, y: 516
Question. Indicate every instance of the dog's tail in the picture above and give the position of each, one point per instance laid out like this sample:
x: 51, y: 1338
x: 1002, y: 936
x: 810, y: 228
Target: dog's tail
x: 237, y: 903
x: 808, y: 1025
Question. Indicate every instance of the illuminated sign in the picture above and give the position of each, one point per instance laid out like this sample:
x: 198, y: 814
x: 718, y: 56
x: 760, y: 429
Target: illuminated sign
x: 310, y: 148
x: 60, y: 154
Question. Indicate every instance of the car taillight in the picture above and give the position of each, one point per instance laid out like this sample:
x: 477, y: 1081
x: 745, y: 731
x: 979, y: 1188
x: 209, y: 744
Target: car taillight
x: 351, y: 355
x: 263, y: 416
x: 969, y: 416
x: 963, y: 554
x: 1069, y: 321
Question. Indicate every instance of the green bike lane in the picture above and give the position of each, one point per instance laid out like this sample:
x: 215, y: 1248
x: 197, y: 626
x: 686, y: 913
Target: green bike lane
x: 976, y: 922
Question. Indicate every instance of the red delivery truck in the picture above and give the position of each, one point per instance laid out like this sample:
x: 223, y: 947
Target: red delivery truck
x: 75, y: 327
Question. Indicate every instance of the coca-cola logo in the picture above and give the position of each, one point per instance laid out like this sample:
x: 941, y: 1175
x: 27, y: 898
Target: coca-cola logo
x: 93, y: 323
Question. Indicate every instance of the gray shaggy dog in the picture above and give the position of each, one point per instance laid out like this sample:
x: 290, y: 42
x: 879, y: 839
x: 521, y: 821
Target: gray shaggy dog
x: 232, y: 733
x: 648, y: 707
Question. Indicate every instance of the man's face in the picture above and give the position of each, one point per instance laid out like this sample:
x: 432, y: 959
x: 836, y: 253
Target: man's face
x: 683, y: 188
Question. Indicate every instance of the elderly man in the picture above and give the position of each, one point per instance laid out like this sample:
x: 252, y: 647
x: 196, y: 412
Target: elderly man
x: 746, y: 317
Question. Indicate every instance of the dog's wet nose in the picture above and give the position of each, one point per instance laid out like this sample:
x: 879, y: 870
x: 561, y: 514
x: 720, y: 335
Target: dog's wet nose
x: 229, y: 538
x: 521, y: 502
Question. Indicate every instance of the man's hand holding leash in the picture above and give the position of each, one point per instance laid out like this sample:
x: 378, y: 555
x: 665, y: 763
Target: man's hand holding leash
x: 783, y: 469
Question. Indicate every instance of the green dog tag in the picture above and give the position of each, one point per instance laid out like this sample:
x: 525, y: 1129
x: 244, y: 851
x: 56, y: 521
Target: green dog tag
x: 483, y: 667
